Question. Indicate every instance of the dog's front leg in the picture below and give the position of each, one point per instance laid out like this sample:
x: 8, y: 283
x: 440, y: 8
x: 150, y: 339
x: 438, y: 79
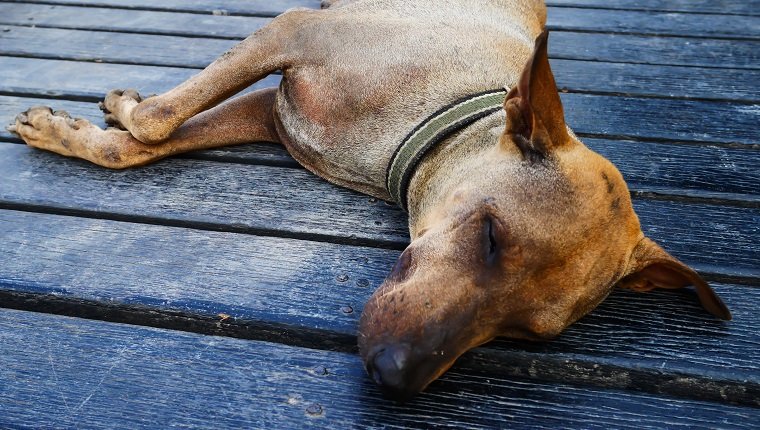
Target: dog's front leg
x: 152, y: 120
x: 248, y: 118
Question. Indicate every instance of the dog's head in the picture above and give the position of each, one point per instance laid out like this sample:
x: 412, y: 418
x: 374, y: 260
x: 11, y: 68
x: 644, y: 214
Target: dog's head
x: 536, y: 237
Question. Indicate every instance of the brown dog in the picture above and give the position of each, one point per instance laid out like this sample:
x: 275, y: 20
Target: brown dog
x: 517, y: 228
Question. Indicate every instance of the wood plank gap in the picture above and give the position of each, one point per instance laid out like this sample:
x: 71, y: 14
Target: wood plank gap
x: 391, y: 244
x: 288, y: 164
x: 694, y: 197
x: 142, y: 315
x: 732, y: 145
x: 97, y: 60
x: 633, y: 9
x: 554, y: 28
x: 144, y: 32
x: 646, y: 63
x: 654, y: 96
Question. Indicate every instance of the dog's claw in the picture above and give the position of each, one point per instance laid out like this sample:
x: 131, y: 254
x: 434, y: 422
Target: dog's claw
x: 12, y: 129
x: 23, y: 118
x: 102, y: 107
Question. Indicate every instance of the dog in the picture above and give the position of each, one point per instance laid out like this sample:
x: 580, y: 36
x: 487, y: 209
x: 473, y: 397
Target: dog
x: 448, y: 108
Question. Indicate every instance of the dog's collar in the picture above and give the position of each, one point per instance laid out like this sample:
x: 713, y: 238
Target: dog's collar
x: 441, y: 124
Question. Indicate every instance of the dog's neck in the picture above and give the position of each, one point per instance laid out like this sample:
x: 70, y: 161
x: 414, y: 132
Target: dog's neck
x: 433, y: 180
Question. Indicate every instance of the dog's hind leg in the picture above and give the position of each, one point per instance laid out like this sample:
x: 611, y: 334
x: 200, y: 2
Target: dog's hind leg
x: 153, y: 119
x: 248, y: 118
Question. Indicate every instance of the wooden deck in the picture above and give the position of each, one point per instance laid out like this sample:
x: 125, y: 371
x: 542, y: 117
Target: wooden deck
x: 223, y: 288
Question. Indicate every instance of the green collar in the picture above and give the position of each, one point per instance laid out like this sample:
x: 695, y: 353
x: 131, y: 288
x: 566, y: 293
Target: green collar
x: 432, y: 131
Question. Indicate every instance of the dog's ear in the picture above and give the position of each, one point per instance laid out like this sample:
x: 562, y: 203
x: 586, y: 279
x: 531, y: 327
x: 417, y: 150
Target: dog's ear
x: 652, y: 267
x: 535, y: 118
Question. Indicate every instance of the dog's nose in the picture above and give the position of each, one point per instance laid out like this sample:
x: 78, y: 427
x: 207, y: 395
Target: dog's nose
x: 388, y: 368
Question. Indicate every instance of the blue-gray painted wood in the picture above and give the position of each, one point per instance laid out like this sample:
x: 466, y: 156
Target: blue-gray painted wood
x: 738, y: 7
x: 248, y: 7
x: 90, y: 374
x: 653, y: 23
x: 130, y: 21
x: 293, y: 202
x: 177, y: 23
x: 310, y: 293
x: 677, y: 51
x: 196, y: 52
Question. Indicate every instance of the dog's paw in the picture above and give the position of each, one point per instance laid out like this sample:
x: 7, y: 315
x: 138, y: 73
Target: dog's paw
x: 56, y: 131
x: 117, y: 105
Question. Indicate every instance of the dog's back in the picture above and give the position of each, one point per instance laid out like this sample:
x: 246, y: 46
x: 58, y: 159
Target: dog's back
x: 351, y: 96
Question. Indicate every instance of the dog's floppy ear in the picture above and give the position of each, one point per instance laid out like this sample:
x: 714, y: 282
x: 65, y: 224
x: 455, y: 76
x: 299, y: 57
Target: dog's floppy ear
x: 535, y: 119
x: 652, y: 267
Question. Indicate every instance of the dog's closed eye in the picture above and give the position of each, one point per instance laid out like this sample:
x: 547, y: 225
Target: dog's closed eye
x: 402, y: 268
x: 490, y: 240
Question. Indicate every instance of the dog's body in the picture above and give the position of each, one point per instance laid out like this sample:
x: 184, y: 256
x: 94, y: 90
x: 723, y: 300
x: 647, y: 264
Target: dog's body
x: 354, y: 95
x: 517, y: 228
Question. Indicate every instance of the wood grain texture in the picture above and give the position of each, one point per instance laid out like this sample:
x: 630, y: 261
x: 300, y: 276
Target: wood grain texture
x: 677, y: 51
x: 74, y: 79
x: 90, y: 374
x: 679, y: 120
x: 130, y: 21
x: 739, y: 7
x: 196, y: 52
x: 273, y: 200
x: 178, y: 23
x: 248, y: 7
x: 653, y: 23
x: 684, y: 169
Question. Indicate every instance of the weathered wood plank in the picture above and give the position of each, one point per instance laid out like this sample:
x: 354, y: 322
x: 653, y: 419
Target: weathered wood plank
x: 90, y: 374
x: 281, y: 201
x: 111, y: 47
x: 677, y: 51
x: 653, y: 23
x: 131, y: 21
x: 738, y: 7
x: 253, y: 198
x: 82, y: 80
x: 196, y: 52
x: 74, y: 79
x: 177, y: 23
x: 677, y: 169
x: 293, y: 285
x: 247, y: 7
x: 656, y: 81
x: 680, y: 120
